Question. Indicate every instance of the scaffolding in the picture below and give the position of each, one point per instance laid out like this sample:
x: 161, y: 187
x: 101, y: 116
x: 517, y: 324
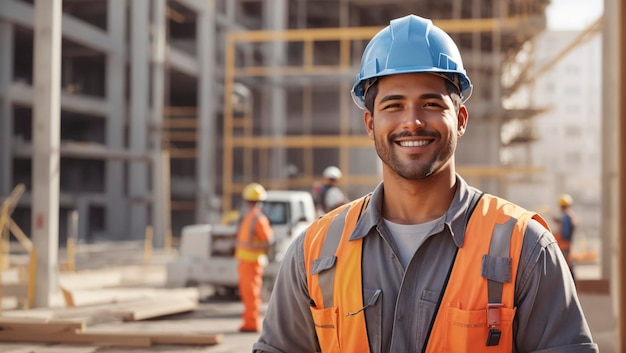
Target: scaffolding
x: 237, y: 131
x: 144, y: 78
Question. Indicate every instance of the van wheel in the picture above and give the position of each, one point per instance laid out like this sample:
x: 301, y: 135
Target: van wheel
x: 191, y: 283
x: 226, y: 292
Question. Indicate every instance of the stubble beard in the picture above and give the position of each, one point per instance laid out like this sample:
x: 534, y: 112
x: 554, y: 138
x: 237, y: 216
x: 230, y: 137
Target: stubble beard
x: 414, y: 169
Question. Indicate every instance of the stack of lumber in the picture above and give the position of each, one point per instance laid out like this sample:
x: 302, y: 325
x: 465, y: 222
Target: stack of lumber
x: 116, y: 304
x: 115, y: 297
x: 72, y: 331
x: 86, y: 307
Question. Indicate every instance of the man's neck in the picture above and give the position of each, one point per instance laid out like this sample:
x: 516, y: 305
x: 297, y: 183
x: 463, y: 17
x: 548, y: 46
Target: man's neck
x: 417, y: 201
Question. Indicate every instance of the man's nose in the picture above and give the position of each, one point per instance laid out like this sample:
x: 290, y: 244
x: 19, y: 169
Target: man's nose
x: 413, y: 119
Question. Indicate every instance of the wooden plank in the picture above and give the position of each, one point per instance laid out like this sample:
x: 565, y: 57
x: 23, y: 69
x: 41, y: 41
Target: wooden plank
x: 44, y: 348
x: 105, y: 339
x: 169, y: 338
x: 42, y: 326
x: 104, y: 296
x: 186, y: 339
x: 40, y: 348
x: 122, y: 295
x: 59, y: 331
x: 163, y: 306
x: 117, y: 311
x: 68, y: 297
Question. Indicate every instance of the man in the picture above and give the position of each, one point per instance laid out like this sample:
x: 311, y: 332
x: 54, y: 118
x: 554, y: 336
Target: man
x: 254, y: 237
x: 566, y: 226
x: 426, y: 263
x: 329, y: 195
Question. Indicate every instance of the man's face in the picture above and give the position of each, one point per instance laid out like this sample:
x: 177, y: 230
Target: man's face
x: 414, y: 124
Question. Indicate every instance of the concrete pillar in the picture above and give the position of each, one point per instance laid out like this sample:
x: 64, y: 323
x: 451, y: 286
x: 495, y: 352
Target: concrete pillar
x: 206, y: 175
x: 275, y: 17
x: 117, y: 221
x: 6, y: 109
x: 46, y: 143
x: 610, y: 142
x: 138, y: 120
x: 160, y: 213
x: 231, y: 9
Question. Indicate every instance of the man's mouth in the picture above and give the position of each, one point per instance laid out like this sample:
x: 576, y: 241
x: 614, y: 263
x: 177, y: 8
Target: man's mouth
x: 414, y: 143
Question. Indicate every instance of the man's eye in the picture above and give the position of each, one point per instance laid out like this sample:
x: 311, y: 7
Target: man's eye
x: 392, y: 106
x: 433, y: 104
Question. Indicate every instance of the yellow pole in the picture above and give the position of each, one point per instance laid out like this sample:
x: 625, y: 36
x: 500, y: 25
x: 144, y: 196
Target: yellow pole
x: 70, y: 254
x: 4, y: 236
x: 4, y: 215
x: 147, y: 249
x: 32, y: 278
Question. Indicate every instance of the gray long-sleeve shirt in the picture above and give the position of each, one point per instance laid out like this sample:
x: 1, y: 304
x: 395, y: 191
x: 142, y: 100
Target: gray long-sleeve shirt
x: 548, y: 318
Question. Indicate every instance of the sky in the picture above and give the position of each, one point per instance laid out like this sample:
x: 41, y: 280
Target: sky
x: 573, y: 14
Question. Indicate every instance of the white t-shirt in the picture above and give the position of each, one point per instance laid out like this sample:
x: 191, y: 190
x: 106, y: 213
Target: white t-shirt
x: 334, y: 197
x: 409, y: 237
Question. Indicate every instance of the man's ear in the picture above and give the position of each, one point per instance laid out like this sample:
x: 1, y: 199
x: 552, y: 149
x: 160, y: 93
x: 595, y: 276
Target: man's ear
x: 368, y: 120
x: 462, y: 118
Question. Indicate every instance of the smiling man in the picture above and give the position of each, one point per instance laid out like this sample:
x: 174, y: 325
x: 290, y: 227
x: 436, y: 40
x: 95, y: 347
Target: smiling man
x: 425, y: 263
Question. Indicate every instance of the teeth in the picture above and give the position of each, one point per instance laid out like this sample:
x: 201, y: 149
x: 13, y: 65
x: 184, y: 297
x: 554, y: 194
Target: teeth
x: 414, y: 143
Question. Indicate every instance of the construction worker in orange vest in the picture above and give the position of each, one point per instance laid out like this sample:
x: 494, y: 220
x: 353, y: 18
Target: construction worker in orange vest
x: 566, y: 227
x: 425, y: 263
x: 254, y: 237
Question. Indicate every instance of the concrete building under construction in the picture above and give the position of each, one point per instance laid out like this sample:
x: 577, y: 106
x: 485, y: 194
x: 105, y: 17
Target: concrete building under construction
x: 170, y: 107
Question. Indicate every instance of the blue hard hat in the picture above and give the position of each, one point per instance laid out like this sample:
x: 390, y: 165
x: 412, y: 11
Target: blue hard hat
x: 410, y: 44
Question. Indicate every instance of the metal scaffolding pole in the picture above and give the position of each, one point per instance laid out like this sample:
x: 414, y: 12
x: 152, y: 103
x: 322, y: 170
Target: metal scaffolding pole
x: 138, y: 120
x: 206, y: 174
x: 46, y: 141
x: 6, y: 110
x: 275, y: 16
x: 116, y: 205
x: 160, y: 162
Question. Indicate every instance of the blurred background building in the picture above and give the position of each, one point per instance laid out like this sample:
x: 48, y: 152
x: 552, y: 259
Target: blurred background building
x: 170, y: 107
x: 567, y: 134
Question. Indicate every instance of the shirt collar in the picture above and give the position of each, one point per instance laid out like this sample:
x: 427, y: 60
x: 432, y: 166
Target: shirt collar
x: 456, y: 217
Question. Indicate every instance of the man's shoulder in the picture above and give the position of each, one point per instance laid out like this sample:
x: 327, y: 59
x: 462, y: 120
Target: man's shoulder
x: 500, y: 203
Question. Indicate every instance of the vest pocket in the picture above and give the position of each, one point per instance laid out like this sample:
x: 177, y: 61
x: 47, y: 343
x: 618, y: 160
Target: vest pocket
x: 326, y: 328
x: 467, y: 331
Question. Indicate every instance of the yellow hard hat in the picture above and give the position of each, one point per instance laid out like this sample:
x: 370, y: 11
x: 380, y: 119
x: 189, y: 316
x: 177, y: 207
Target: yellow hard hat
x: 565, y: 200
x: 254, y: 192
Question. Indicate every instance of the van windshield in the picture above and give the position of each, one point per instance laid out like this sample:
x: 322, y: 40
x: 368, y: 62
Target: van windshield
x: 276, y: 212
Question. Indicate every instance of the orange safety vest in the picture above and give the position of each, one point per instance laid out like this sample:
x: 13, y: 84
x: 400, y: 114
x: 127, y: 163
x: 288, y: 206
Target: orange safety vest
x: 470, y: 315
x: 563, y: 244
x: 250, y: 245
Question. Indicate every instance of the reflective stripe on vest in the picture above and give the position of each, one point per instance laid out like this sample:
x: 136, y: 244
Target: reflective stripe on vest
x: 495, y: 236
x: 325, y: 256
x: 248, y: 246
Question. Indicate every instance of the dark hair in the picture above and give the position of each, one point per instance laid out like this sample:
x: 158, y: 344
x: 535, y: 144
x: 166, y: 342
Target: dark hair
x: 451, y: 89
